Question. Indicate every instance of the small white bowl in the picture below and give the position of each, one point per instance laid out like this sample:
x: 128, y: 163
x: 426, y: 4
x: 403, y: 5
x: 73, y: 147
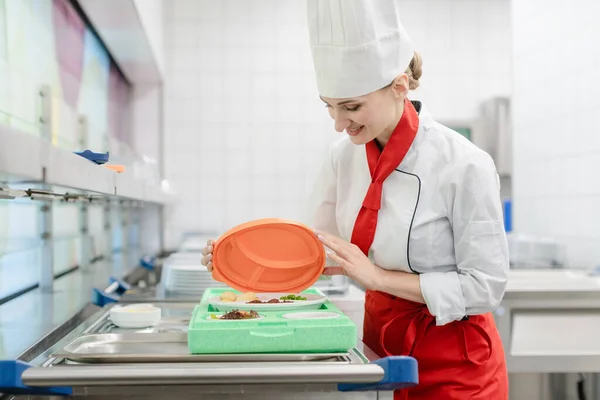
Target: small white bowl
x: 135, y: 315
x: 312, y: 315
x: 140, y: 305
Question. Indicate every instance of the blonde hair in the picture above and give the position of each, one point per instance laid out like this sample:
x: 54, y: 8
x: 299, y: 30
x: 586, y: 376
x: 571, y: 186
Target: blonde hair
x: 414, y: 71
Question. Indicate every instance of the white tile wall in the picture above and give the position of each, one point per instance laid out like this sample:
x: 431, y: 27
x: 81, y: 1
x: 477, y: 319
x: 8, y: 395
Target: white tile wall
x: 245, y: 131
x: 146, y: 120
x: 466, y: 49
x: 556, y: 139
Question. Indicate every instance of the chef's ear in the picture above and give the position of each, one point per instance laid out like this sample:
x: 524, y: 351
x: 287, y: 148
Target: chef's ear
x: 400, y: 86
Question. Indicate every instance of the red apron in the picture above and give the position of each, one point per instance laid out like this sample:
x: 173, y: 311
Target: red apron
x: 459, y: 360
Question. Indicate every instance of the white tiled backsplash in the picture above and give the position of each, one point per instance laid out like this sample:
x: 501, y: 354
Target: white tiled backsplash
x: 556, y: 136
x: 245, y: 131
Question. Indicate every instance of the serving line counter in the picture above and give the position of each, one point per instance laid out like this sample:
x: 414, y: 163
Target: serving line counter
x: 96, y: 359
x: 549, y: 321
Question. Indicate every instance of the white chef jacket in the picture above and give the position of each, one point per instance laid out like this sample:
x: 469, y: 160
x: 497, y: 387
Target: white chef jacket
x: 440, y: 216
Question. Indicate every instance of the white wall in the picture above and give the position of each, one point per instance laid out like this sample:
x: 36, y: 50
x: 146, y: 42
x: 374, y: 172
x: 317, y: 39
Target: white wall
x: 556, y: 140
x: 151, y: 16
x: 146, y: 110
x: 466, y: 49
x: 245, y: 131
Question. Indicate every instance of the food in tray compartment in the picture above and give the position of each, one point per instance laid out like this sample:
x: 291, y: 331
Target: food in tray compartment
x: 252, y: 298
x: 272, y: 301
x: 248, y: 296
x: 237, y: 314
x: 228, y: 296
x: 292, y: 297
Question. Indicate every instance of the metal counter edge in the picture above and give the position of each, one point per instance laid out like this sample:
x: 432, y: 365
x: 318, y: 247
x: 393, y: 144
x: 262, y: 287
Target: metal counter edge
x: 11, y: 383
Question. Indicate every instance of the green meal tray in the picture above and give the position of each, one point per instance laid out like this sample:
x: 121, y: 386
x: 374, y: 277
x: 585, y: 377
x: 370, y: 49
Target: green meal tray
x: 271, y: 334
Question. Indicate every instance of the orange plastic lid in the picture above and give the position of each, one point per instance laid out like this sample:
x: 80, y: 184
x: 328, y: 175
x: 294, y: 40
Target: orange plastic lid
x: 268, y: 255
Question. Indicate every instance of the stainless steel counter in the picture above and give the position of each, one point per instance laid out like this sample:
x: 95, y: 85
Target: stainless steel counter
x: 253, y: 380
x: 28, y: 318
x: 549, y: 320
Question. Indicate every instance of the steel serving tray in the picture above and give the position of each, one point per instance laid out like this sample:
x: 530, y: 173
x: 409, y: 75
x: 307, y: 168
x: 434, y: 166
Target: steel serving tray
x: 166, y: 347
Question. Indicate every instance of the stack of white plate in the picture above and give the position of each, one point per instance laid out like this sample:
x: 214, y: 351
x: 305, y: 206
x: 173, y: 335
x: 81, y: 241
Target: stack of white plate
x: 195, y: 242
x: 183, y: 273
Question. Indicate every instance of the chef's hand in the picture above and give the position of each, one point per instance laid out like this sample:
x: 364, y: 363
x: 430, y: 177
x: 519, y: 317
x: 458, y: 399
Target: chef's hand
x: 207, y: 255
x: 351, y: 261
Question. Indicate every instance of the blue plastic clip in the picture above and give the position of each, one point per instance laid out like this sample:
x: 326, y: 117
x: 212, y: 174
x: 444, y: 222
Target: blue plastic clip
x: 120, y: 286
x: 11, y: 383
x: 147, y: 262
x: 399, y: 372
x: 98, y: 158
x: 111, y: 294
x: 101, y: 298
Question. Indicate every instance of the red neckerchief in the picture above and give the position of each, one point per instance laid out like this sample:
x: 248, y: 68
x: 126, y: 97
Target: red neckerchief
x: 381, y: 165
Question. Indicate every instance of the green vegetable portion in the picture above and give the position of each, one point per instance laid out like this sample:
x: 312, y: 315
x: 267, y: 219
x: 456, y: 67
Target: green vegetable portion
x: 292, y: 297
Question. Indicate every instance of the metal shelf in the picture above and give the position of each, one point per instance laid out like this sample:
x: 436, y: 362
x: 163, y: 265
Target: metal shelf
x: 26, y: 158
x: 69, y: 170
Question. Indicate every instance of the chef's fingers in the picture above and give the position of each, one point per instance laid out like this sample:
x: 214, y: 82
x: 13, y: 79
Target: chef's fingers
x: 207, y: 250
x: 335, y: 244
x: 331, y: 271
x: 206, y: 259
x: 328, y: 237
x: 209, y: 266
x: 342, y: 262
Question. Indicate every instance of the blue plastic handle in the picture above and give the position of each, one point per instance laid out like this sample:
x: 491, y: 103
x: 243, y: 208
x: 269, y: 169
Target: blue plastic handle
x: 148, y: 263
x: 11, y: 383
x: 399, y: 372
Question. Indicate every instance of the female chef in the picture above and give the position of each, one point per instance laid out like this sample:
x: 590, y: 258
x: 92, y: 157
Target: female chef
x: 410, y: 208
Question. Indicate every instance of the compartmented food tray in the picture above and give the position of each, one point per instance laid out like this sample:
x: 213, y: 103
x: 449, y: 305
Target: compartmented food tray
x: 279, y: 327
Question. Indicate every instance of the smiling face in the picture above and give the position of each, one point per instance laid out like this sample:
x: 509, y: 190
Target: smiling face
x: 372, y: 116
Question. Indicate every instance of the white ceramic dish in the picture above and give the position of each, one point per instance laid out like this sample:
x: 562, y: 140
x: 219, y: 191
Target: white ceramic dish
x: 135, y: 315
x: 312, y: 302
x: 312, y: 315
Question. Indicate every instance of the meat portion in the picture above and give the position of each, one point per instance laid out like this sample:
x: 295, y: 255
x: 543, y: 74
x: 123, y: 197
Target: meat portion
x: 237, y: 314
x: 272, y: 301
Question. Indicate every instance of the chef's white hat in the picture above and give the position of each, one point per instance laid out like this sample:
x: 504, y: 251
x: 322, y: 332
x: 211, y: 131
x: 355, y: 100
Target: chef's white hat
x: 358, y: 46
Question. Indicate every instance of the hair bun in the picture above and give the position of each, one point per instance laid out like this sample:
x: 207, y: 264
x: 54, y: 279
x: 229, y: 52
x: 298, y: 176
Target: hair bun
x: 415, y: 71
